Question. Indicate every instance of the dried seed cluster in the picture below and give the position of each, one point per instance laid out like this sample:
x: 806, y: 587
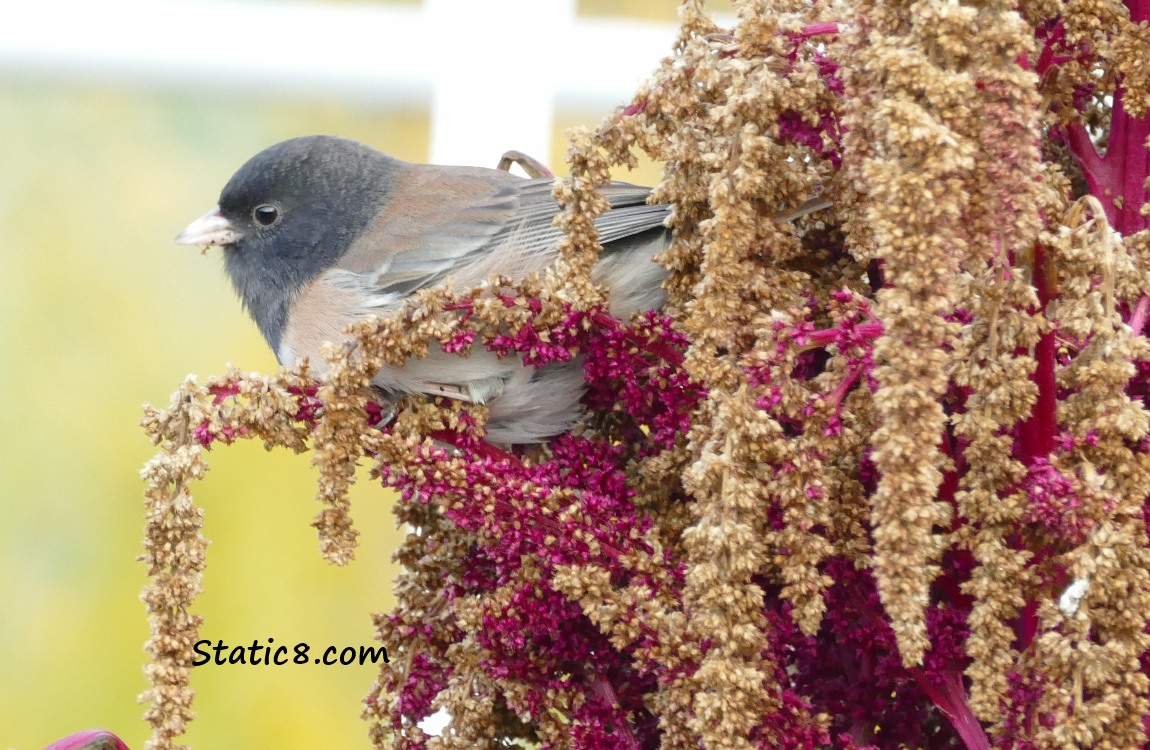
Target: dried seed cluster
x: 875, y: 477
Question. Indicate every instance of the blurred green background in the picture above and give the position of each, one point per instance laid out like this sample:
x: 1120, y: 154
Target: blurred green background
x: 99, y: 312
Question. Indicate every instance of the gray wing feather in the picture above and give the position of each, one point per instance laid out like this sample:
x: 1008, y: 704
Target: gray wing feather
x: 510, y: 232
x: 492, y: 223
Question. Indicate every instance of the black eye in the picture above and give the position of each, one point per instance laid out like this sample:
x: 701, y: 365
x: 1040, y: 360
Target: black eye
x: 265, y: 215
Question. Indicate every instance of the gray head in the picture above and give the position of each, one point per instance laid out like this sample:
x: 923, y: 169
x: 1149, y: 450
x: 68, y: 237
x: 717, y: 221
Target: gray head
x: 288, y: 215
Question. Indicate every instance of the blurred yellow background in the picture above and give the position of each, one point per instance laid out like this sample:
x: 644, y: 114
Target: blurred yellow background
x: 99, y: 312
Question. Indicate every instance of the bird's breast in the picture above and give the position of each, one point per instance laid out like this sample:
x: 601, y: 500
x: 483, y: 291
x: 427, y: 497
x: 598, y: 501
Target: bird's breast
x: 319, y: 312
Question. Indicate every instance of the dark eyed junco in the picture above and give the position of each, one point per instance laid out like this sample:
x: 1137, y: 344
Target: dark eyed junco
x: 318, y: 232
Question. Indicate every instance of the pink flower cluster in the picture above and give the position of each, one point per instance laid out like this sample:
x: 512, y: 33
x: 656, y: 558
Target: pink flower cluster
x: 1055, y: 506
x: 572, y: 508
x: 529, y: 519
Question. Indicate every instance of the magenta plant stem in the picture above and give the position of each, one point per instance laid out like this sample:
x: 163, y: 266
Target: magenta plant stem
x: 826, y: 336
x: 601, y: 687
x: 1138, y: 317
x: 816, y: 29
x: 1039, y: 432
x: 950, y: 697
x: 658, y: 348
x: 1118, y: 179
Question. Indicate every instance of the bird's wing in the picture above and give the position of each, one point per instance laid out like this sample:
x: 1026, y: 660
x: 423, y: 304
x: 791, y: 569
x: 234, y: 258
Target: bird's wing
x: 470, y: 224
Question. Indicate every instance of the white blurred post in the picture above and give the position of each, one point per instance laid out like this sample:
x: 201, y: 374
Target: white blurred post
x: 494, y: 71
x: 494, y: 80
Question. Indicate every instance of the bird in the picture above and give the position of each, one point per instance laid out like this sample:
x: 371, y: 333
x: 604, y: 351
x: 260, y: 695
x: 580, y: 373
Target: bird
x: 319, y: 232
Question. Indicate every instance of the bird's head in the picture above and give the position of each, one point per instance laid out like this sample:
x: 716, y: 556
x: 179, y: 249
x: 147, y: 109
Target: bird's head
x: 289, y: 214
